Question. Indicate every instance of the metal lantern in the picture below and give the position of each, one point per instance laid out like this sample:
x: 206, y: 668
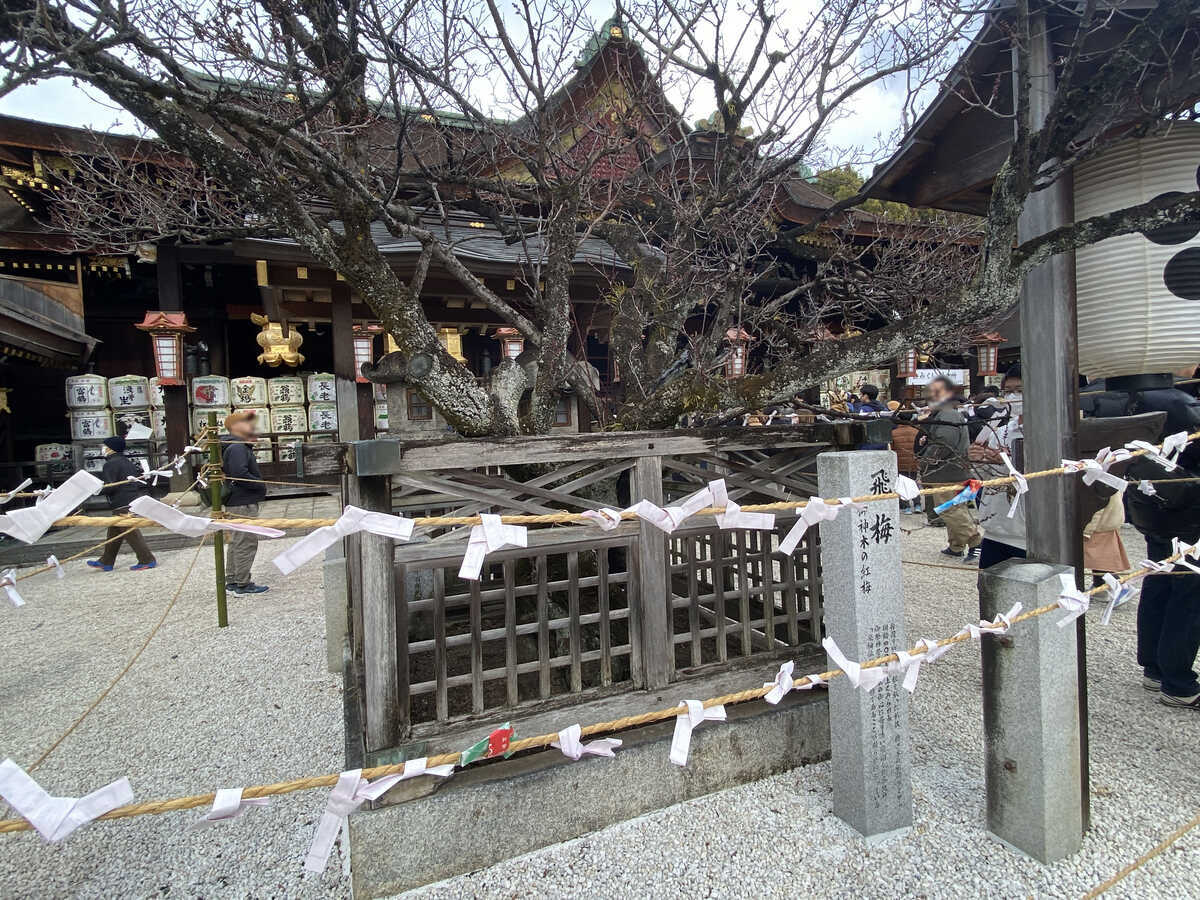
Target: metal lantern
x: 364, y: 349
x: 1136, y: 294
x: 739, y: 342
x: 987, y: 352
x: 166, y: 331
x: 906, y: 364
x: 511, y: 342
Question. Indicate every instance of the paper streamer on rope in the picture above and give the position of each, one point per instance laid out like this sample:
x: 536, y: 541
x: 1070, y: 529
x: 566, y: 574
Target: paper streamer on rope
x: 1070, y: 598
x: 814, y: 511
x: 1147, y: 488
x: 487, y: 538
x: 1117, y: 594
x: 573, y: 748
x: 681, y: 740
x: 906, y: 488
x: 228, y: 805
x: 867, y: 679
x: 351, y: 521
x: 1164, y: 455
x: 668, y: 518
x: 8, y: 581
x: 1019, y: 482
x: 31, y: 523
x: 18, y: 489
x: 908, y: 665
x: 783, y: 683
x: 733, y: 517
x: 180, y: 522
x: 1161, y: 568
x: 351, y: 792
x: 52, y: 562
x: 999, y: 625
x: 608, y: 519
x: 1186, y: 552
x: 1097, y: 469
x: 56, y: 817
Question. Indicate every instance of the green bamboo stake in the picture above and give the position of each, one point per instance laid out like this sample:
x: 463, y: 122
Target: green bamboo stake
x: 214, y: 457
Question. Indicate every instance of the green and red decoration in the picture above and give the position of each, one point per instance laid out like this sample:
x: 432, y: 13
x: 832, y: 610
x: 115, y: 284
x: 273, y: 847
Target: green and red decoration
x: 495, y: 744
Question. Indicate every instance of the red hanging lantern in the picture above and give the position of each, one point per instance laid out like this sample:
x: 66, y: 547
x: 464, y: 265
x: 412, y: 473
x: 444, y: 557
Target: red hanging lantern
x: 906, y: 364
x: 739, y: 348
x: 166, y: 331
x: 987, y: 352
x: 364, y: 348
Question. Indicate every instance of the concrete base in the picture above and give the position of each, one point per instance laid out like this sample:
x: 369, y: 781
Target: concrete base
x: 496, y: 811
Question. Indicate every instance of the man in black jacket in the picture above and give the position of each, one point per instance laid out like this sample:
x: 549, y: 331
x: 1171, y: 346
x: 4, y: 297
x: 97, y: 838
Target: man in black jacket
x: 245, y: 490
x: 121, y: 492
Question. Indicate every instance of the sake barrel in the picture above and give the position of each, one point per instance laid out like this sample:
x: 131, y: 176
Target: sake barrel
x: 210, y: 391
x: 91, y: 424
x: 87, y: 392
x: 52, y: 459
x: 125, y: 419
x: 262, y: 416
x: 287, y: 390
x: 288, y: 420
x: 322, y: 388
x: 287, y: 454
x: 156, y: 393
x: 200, y: 418
x: 129, y: 392
x: 158, y: 424
x: 262, y: 450
x: 322, y: 417
x: 249, y: 391
x: 91, y: 457
x: 381, y: 416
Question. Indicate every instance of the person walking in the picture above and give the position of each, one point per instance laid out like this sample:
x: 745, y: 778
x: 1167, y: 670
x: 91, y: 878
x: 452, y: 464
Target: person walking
x: 120, y: 492
x: 1003, y: 535
x: 941, y: 450
x: 244, y: 491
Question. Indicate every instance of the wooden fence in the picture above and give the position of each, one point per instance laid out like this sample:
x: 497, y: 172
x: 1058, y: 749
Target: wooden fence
x: 579, y: 612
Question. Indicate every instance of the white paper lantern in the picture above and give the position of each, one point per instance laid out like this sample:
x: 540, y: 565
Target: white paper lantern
x: 1138, y: 295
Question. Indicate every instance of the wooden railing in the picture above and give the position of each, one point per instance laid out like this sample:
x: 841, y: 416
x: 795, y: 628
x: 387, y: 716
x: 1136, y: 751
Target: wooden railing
x: 579, y: 611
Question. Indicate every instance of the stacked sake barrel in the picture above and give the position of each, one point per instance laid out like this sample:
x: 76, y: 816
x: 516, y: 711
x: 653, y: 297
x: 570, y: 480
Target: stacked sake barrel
x: 99, y: 408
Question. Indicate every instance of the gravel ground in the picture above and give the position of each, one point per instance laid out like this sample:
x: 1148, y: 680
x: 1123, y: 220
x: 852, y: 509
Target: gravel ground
x: 203, y: 708
x: 779, y: 838
x: 252, y: 703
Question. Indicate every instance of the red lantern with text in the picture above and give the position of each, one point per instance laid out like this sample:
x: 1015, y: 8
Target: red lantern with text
x: 739, y: 345
x: 987, y: 351
x: 166, y: 331
x: 511, y: 342
x: 364, y: 349
x: 906, y: 364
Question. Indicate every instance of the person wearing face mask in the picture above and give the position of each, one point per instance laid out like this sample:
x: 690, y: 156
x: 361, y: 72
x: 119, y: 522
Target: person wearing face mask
x: 1003, y: 535
x: 941, y: 449
x: 120, y: 491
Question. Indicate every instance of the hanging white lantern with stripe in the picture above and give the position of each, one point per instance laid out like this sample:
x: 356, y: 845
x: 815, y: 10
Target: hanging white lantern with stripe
x: 1138, y: 295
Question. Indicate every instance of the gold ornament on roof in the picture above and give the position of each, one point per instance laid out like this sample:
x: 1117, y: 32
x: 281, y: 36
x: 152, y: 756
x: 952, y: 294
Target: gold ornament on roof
x: 277, y: 349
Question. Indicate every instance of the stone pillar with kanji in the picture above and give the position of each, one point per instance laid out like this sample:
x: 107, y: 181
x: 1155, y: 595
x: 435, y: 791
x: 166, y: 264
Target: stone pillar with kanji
x: 864, y: 614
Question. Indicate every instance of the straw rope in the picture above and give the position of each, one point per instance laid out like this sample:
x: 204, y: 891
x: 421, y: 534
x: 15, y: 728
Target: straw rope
x: 1143, y: 859
x: 564, y: 518
x: 155, y: 807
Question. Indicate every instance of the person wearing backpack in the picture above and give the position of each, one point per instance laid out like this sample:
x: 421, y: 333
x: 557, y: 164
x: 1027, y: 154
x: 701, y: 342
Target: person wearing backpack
x: 244, y: 490
x: 120, y: 492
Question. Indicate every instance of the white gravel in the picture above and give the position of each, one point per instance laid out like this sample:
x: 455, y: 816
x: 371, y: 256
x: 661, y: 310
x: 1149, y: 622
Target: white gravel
x: 203, y: 708
x: 206, y: 708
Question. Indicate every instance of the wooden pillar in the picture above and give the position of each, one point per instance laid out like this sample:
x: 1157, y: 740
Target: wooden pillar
x: 1050, y: 373
x: 387, y: 690
x: 356, y: 410
x: 653, y: 619
x: 170, y: 299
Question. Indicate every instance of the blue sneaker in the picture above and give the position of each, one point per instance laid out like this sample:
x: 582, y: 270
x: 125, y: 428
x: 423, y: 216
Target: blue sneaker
x: 140, y: 566
x: 96, y: 564
x: 249, y: 588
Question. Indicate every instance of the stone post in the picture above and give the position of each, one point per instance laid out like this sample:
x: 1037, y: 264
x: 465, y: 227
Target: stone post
x: 1031, y: 715
x: 864, y: 614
